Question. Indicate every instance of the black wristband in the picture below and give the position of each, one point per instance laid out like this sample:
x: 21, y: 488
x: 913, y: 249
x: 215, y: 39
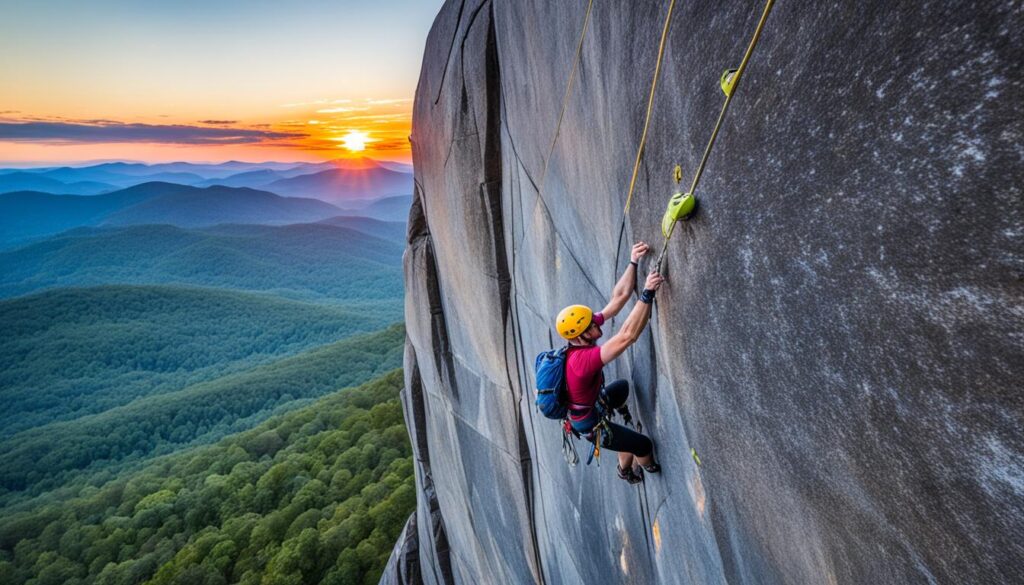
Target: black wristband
x: 635, y: 265
x: 647, y: 296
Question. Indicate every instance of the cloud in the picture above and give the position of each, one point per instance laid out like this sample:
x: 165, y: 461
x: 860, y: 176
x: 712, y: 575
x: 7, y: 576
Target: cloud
x: 388, y: 101
x: 340, y: 110
x: 107, y: 132
x: 386, y: 117
x: 218, y: 122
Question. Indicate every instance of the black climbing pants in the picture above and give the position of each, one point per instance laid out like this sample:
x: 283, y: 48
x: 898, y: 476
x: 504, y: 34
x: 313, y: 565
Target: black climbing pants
x: 625, y: 439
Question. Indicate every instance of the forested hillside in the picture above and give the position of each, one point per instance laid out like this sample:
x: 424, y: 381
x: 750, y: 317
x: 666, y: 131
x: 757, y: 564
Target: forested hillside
x: 308, y: 261
x: 394, y: 231
x: 72, y: 352
x: 314, y: 496
x: 148, y: 334
x: 47, y: 457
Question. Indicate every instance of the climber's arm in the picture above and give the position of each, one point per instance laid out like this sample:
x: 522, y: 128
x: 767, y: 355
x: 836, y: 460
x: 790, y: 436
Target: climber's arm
x: 624, y: 287
x: 621, y: 293
x: 634, y: 324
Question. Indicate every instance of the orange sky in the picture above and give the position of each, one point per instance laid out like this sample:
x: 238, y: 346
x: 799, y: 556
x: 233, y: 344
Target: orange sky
x: 315, y: 131
x: 252, y: 80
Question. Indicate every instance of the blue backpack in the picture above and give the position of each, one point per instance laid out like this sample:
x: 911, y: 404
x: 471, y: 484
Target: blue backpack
x: 552, y: 397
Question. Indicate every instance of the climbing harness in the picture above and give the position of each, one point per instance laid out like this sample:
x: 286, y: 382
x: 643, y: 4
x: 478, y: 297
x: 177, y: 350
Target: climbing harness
x: 601, y: 433
x: 682, y: 204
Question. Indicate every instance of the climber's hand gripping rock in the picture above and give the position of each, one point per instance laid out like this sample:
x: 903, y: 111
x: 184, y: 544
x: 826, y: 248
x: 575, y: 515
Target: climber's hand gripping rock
x: 639, y: 250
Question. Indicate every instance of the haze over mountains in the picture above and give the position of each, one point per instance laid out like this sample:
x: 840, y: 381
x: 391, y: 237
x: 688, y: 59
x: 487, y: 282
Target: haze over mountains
x: 40, y: 202
x: 350, y: 175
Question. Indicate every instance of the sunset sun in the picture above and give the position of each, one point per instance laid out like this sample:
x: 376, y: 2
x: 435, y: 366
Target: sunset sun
x: 355, y: 140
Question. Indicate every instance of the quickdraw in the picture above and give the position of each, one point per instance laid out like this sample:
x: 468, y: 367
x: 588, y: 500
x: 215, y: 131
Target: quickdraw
x: 572, y: 457
x: 600, y: 433
x: 681, y: 205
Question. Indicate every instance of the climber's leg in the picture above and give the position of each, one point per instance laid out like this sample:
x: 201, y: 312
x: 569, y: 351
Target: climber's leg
x: 626, y: 440
x: 648, y: 463
x: 614, y: 395
x: 625, y: 460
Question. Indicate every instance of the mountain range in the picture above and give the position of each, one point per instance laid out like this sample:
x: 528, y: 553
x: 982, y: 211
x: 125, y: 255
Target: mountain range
x: 26, y: 215
x: 345, y: 186
x: 343, y: 179
x: 25, y: 181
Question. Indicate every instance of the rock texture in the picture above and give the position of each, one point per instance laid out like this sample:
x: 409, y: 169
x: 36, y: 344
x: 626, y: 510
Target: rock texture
x: 840, y: 338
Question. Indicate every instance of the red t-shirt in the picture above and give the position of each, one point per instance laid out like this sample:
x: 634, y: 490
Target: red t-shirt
x: 583, y: 375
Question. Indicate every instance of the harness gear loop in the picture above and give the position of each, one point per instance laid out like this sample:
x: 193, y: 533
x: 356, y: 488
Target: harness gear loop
x: 595, y: 434
x: 728, y: 82
x: 572, y: 457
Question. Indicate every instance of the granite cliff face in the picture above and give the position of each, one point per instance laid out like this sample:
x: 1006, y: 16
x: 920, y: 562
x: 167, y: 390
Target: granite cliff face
x: 840, y: 337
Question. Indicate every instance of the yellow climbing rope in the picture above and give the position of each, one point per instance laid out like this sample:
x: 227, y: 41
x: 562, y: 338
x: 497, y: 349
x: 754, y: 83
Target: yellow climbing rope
x: 647, y: 123
x: 650, y: 105
x: 681, y: 204
x: 565, y: 98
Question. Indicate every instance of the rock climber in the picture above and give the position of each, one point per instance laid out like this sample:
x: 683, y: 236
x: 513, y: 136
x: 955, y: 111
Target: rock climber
x: 590, y: 399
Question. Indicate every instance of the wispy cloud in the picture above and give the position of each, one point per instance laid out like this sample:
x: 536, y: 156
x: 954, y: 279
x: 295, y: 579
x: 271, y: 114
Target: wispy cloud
x: 376, y: 117
x: 340, y: 110
x: 219, y: 122
x: 109, y: 132
x: 389, y: 101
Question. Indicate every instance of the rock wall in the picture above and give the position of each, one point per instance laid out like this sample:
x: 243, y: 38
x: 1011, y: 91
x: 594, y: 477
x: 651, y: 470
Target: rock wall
x: 840, y: 337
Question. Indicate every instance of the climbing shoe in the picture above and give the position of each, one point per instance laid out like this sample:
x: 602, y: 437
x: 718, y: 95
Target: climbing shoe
x: 629, y: 475
x: 652, y: 468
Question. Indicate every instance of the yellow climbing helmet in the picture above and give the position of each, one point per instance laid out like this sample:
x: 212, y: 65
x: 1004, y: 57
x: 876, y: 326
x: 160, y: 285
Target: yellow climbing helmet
x: 573, y: 320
